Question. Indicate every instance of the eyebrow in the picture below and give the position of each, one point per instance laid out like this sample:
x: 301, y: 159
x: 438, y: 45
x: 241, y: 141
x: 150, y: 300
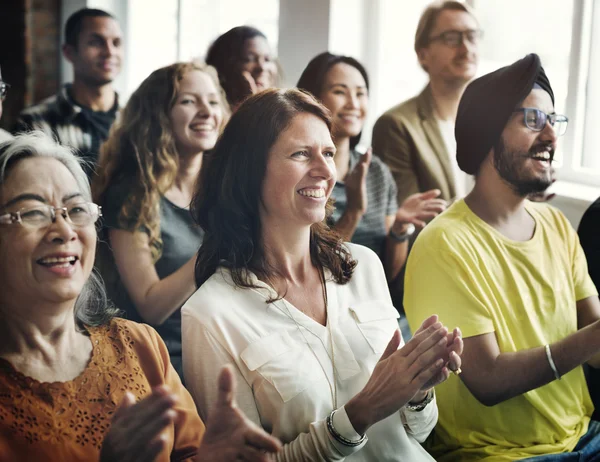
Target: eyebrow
x: 35, y: 197
x: 346, y: 86
x: 212, y: 94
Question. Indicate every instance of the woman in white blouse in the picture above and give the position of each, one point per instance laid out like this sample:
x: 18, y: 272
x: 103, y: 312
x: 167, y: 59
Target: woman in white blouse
x: 306, y: 321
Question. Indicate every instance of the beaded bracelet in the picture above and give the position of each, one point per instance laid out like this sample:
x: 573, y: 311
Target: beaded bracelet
x: 339, y: 438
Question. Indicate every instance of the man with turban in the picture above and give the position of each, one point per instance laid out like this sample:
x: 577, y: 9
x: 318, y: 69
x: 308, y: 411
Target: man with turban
x: 512, y: 275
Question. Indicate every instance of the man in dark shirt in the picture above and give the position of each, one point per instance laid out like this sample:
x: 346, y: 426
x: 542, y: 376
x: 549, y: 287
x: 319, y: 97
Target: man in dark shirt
x: 81, y: 113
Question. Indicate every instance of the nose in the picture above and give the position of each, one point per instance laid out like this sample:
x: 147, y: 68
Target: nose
x: 322, y: 167
x: 60, y: 230
x: 548, y: 134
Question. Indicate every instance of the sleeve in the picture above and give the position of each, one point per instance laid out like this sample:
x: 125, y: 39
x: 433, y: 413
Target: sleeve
x: 114, y: 198
x: 203, y: 357
x: 391, y: 142
x: 24, y: 124
x: 188, y: 427
x: 420, y: 424
x: 392, y: 191
x: 448, y: 283
x: 589, y: 237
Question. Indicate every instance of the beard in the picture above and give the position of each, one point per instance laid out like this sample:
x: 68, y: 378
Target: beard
x: 510, y: 167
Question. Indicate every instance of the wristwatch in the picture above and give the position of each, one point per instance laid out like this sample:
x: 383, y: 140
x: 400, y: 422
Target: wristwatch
x: 410, y: 230
x: 418, y: 407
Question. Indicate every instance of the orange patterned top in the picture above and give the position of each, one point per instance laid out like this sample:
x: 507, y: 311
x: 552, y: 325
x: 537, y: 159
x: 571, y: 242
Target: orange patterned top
x: 67, y: 421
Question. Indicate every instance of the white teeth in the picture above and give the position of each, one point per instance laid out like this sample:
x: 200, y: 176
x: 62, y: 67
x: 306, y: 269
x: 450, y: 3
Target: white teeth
x: 51, y: 260
x: 312, y: 192
x: 542, y: 155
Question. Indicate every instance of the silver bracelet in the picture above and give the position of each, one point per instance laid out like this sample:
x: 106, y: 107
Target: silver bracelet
x: 418, y: 407
x: 339, y: 438
x: 551, y: 362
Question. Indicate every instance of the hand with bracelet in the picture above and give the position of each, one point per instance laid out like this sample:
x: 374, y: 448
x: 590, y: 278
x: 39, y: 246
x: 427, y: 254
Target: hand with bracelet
x: 405, y: 375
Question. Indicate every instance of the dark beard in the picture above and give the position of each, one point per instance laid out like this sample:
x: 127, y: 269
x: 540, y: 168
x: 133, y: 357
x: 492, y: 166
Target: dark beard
x: 508, y: 165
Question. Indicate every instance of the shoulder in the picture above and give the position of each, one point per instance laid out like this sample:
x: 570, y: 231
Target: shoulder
x: 550, y: 217
x: 43, y: 108
x: 125, y: 332
x: 401, y: 112
x: 591, y: 217
x: 366, y: 258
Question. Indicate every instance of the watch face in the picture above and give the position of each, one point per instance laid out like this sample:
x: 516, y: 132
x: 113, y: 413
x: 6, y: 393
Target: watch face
x: 410, y: 229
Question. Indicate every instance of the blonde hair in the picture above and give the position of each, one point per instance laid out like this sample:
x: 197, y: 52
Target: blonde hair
x: 141, y: 150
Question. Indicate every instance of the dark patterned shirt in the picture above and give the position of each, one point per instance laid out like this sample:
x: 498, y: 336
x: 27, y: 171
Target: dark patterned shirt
x: 381, y: 202
x: 70, y: 123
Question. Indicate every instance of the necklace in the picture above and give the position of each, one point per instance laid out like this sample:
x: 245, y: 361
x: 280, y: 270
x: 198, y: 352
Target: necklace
x: 332, y: 388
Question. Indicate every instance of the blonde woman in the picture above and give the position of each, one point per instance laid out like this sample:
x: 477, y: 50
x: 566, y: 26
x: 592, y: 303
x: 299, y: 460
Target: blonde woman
x: 148, y: 168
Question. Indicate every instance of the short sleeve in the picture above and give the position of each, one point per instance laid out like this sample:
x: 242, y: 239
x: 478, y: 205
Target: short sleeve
x: 584, y: 286
x: 114, y: 198
x: 442, y: 281
x: 392, y: 191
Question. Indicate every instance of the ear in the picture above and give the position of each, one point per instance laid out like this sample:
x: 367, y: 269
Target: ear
x: 69, y: 52
x: 422, y: 57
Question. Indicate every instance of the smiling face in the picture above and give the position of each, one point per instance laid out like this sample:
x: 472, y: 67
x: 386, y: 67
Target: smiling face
x: 345, y: 94
x: 523, y: 157
x: 197, y: 115
x: 446, y: 63
x: 257, y: 59
x: 47, y: 265
x: 97, y: 58
x: 300, y: 174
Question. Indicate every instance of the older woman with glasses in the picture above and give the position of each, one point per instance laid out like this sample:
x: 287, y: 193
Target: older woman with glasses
x: 76, y: 383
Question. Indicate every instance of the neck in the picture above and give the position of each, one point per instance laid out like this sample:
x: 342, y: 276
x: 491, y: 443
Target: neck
x: 342, y: 157
x: 97, y: 98
x: 288, y: 251
x: 38, y: 329
x: 494, y: 201
x: 187, y: 173
x: 446, y: 96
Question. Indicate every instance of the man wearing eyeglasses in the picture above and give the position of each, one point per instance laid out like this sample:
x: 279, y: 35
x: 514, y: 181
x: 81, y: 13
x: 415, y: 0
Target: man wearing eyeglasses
x: 416, y: 138
x: 81, y: 114
x: 512, y: 275
x: 4, y: 135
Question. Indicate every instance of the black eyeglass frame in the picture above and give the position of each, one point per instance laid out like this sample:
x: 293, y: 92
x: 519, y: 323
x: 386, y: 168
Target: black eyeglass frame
x: 552, y: 119
x: 476, y: 35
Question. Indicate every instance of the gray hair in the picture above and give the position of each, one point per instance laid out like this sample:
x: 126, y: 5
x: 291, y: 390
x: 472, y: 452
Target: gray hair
x: 92, y: 307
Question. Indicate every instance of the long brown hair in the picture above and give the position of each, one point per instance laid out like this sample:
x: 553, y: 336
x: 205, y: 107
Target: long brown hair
x: 227, y: 200
x: 141, y: 150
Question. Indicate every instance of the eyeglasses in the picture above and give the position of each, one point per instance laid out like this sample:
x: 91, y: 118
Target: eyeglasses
x: 3, y: 89
x: 535, y: 120
x: 455, y: 38
x: 42, y: 216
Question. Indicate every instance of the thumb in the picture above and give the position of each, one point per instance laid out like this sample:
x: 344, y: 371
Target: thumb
x: 392, y: 346
x: 127, y: 402
x: 367, y: 156
x: 431, y: 194
x: 226, y: 387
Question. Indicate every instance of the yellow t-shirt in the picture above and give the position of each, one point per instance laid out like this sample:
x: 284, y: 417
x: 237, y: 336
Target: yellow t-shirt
x: 525, y: 292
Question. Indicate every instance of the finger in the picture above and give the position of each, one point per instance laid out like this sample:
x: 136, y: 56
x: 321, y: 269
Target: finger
x: 226, y: 385
x: 418, y: 223
x: 455, y: 362
x: 251, y: 82
x: 392, y: 345
x: 147, y: 430
x: 150, y: 451
x: 152, y: 407
x: 260, y: 439
x: 429, y: 350
x: 429, y: 373
x: 431, y: 194
x: 438, y: 378
x: 430, y: 321
x: 250, y: 454
x: 427, y: 215
x: 367, y: 156
x: 127, y: 401
x: 416, y: 340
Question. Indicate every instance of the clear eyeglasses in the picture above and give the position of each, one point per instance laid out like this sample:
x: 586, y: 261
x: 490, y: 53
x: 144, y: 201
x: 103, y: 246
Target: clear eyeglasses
x: 455, y: 38
x: 42, y: 216
x: 535, y: 120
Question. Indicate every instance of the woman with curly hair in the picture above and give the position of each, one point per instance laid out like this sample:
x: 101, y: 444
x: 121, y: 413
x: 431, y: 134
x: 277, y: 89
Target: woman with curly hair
x: 147, y: 170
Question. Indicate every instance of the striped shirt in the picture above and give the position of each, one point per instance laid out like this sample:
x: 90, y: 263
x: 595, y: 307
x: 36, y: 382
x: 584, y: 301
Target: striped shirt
x: 70, y: 123
x: 381, y: 202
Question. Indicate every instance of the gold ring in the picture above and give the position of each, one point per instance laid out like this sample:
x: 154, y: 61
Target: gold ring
x: 457, y: 371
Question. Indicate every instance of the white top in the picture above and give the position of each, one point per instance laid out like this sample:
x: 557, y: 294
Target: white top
x: 5, y: 136
x: 463, y: 182
x: 284, y: 385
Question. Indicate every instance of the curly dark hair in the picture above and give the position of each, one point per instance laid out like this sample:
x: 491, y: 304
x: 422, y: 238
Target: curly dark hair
x: 228, y: 196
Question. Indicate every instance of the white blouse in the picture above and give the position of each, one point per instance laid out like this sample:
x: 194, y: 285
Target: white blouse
x: 283, y: 367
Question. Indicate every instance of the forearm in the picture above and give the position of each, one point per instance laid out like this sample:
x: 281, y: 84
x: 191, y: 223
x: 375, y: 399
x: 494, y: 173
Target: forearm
x: 165, y: 296
x: 346, y: 225
x: 396, y: 253
x: 513, y: 374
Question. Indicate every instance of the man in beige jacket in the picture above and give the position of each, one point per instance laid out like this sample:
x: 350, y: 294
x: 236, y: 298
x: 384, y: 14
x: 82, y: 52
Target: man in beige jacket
x: 416, y: 138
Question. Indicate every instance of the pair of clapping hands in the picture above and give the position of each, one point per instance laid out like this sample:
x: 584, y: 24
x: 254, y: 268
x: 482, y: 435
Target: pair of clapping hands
x: 136, y: 432
x: 405, y: 375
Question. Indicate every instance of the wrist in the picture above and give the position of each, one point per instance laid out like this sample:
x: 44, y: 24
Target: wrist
x: 401, y: 232
x: 419, y: 397
x: 358, y: 414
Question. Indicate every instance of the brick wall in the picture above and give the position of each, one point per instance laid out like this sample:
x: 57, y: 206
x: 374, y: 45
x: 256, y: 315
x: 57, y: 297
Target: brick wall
x: 29, y: 53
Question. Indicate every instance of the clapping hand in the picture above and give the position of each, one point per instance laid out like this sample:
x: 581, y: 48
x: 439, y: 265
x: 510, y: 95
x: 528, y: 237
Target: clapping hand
x: 421, y: 207
x: 230, y: 435
x: 356, y: 184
